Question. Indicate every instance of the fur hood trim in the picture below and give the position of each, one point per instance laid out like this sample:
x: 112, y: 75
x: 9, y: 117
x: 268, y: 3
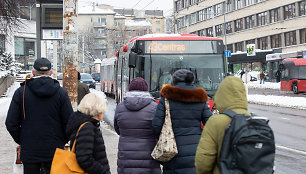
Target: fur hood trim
x: 184, y: 95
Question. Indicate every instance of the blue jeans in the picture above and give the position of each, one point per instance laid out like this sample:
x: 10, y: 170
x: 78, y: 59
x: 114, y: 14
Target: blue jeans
x: 262, y: 80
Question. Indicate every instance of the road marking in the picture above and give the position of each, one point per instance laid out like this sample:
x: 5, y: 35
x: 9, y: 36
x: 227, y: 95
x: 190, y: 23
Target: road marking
x: 290, y: 149
x: 285, y: 118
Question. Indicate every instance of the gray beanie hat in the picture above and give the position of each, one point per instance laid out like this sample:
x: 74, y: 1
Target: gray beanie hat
x: 183, y: 75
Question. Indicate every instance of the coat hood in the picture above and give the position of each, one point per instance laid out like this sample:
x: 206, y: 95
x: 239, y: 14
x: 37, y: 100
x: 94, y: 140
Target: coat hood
x: 43, y: 86
x: 184, y: 93
x: 78, y: 118
x: 136, y: 100
x: 231, y: 94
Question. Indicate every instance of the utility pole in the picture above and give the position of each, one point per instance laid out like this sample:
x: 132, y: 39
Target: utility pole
x: 55, y: 58
x: 83, y: 45
x: 70, y: 80
x: 38, y: 35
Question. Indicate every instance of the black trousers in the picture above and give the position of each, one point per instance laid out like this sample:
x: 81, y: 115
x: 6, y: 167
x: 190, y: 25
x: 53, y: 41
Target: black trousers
x: 37, y: 168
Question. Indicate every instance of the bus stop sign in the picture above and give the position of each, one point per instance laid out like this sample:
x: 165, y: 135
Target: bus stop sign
x: 228, y: 54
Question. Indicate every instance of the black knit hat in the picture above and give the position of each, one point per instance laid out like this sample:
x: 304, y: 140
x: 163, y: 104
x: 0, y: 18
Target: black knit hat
x: 42, y: 64
x: 138, y: 84
x: 183, y: 75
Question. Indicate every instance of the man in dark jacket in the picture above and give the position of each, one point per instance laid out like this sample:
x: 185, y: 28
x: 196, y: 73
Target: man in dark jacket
x: 37, y: 117
x: 188, y: 108
x: 83, y: 89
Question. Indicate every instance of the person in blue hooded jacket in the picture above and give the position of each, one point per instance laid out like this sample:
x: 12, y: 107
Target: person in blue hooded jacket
x: 188, y: 109
x: 133, y: 123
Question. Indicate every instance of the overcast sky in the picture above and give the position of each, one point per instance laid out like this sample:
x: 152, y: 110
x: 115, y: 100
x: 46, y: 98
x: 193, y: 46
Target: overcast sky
x: 166, y: 5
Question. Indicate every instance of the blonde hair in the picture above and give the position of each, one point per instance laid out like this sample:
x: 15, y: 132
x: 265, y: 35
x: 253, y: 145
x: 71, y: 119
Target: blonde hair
x: 93, y: 104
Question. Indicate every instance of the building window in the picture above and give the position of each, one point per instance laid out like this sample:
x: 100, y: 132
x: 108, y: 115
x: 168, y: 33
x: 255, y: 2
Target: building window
x: 218, y: 9
x: 229, y: 27
x: 158, y: 30
x: 262, y: 18
x: 274, y: 15
x: 103, y: 53
x: 238, y: 24
x: 209, y: 12
x: 193, y: 18
x: 102, y: 21
x: 249, y: 22
x: 158, y: 22
x: 201, y: 32
x: 117, y: 24
x: 249, y: 2
x: 219, y: 30
x: 118, y: 34
x: 276, y: 41
x: 239, y: 46
x: 290, y: 38
x: 209, y: 32
x: 263, y: 43
x: 229, y: 5
x: 229, y: 47
x: 201, y: 15
x: 130, y: 33
x: 302, y: 7
x: 102, y: 31
x: 90, y: 19
x: 252, y: 41
x: 303, y: 36
x: 137, y: 33
x: 238, y: 4
x: 289, y: 11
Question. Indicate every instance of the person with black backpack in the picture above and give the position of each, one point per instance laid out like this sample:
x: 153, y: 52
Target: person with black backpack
x: 234, y: 141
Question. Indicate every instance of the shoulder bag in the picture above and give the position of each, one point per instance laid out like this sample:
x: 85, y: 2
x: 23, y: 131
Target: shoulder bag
x: 165, y: 148
x: 65, y: 162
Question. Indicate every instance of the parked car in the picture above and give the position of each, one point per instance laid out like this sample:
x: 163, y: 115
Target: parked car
x: 60, y: 76
x: 96, y: 76
x: 87, y: 79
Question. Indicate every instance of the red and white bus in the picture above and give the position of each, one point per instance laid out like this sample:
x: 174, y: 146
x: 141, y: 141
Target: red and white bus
x: 293, y: 75
x: 156, y: 57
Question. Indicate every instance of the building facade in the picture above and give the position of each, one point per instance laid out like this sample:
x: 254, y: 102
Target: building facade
x: 269, y: 24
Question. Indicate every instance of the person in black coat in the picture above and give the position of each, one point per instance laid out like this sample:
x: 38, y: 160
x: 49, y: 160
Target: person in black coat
x: 188, y: 108
x: 89, y: 149
x: 39, y: 126
x: 133, y: 122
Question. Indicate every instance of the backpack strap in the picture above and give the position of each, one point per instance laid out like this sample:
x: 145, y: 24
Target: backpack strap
x: 229, y: 113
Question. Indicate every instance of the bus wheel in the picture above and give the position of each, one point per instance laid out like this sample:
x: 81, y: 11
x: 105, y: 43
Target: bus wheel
x: 295, y: 89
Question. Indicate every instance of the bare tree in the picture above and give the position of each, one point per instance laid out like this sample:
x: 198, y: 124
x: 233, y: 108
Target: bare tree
x: 9, y: 14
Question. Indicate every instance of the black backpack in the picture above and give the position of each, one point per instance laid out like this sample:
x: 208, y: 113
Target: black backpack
x: 248, y: 146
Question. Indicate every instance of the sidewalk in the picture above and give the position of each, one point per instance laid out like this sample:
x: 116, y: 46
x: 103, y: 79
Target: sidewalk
x: 111, y: 144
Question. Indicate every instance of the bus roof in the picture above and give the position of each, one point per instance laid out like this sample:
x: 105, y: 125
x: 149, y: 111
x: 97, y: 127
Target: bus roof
x: 296, y: 61
x: 173, y: 37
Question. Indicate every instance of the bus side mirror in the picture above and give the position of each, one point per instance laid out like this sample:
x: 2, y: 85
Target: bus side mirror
x: 132, y: 60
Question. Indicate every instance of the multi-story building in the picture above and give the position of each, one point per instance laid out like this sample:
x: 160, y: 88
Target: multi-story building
x: 269, y: 24
x: 94, y: 25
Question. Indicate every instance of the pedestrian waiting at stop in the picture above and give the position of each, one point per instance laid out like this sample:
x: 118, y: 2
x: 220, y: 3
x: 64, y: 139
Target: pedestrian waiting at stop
x: 133, y: 123
x: 83, y: 89
x: 89, y: 148
x: 188, y: 109
x: 262, y: 77
x: 37, y: 117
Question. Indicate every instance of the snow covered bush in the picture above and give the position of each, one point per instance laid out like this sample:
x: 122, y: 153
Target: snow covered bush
x: 8, y: 65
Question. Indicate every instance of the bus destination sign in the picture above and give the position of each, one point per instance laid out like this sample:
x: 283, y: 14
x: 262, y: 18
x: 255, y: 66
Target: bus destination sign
x: 172, y: 47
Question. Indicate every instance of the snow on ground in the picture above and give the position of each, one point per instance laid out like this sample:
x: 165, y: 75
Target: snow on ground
x: 266, y: 85
x: 282, y: 101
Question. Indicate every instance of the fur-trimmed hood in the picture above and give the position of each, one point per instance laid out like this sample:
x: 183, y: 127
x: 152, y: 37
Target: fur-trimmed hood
x: 184, y: 93
x: 136, y: 100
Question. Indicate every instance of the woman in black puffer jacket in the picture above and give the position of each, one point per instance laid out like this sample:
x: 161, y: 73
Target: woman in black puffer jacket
x: 90, y: 150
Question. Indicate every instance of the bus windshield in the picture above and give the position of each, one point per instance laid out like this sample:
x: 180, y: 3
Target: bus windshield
x: 208, y: 70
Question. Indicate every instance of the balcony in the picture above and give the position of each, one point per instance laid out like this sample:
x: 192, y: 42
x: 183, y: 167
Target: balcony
x: 97, y: 24
x: 100, y: 46
x: 100, y: 35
